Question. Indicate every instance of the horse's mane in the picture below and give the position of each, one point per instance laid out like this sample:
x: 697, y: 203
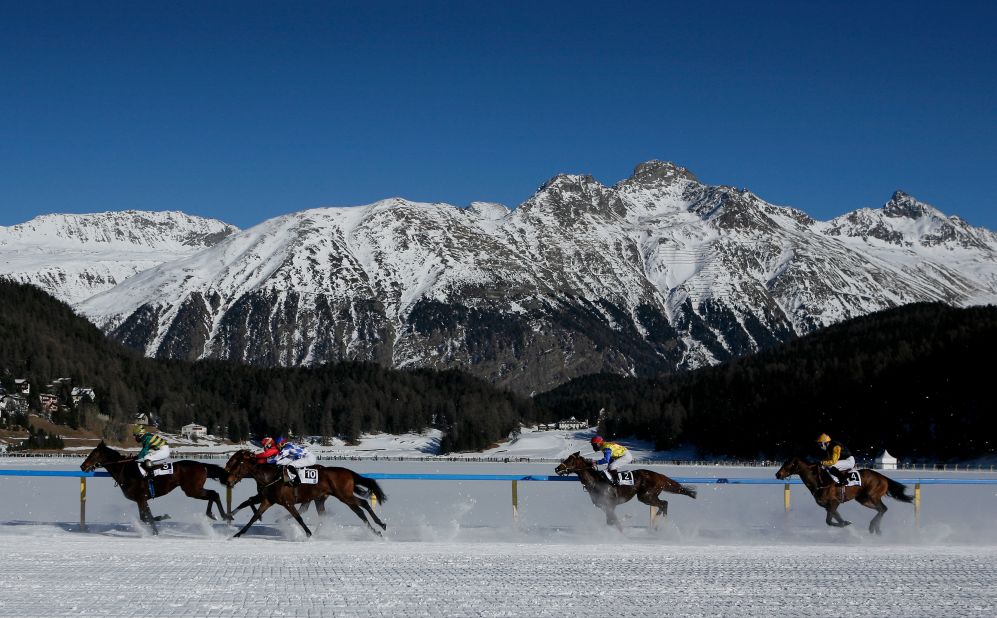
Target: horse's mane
x: 104, y: 448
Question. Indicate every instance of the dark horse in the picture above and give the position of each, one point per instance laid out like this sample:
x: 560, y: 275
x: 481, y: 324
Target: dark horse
x: 829, y: 495
x: 345, y: 485
x: 189, y: 475
x: 647, y: 485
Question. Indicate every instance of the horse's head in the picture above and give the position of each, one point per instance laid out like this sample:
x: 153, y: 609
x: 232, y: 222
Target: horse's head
x: 238, y: 465
x: 574, y: 464
x: 792, y: 466
x: 99, y: 456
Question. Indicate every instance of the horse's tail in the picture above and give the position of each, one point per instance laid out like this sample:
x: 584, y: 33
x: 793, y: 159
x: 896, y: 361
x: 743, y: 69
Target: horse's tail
x: 371, y: 487
x: 674, y: 487
x: 686, y: 490
x: 897, y: 491
x: 216, y: 472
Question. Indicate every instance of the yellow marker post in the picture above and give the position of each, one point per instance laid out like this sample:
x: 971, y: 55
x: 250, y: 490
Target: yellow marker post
x: 654, y: 514
x: 373, y: 501
x: 228, y: 499
x: 917, y: 505
x: 83, y: 502
x: 515, y: 500
x: 785, y: 496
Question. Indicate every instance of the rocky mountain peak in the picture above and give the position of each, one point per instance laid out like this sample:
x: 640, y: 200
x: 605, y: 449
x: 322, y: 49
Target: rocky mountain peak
x: 657, y: 173
x: 904, y: 205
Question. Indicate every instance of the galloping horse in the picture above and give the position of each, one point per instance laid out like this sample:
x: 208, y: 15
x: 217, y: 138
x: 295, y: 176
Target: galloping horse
x: 189, y: 475
x: 647, y: 485
x: 828, y: 495
x: 345, y: 485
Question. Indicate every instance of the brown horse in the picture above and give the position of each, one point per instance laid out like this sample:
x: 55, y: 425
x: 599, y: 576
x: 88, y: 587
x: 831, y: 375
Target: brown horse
x: 189, y: 475
x: 345, y: 485
x: 829, y: 495
x: 647, y: 485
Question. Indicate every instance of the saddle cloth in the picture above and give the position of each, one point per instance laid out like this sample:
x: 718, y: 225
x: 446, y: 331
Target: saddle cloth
x: 854, y: 479
x: 163, y: 469
x: 626, y: 477
x: 308, y: 476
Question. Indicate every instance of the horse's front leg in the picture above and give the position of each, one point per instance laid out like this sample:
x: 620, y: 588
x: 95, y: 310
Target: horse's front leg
x: 297, y: 517
x: 145, y: 514
x: 250, y: 502
x: 834, y: 518
x: 611, y: 518
x: 257, y: 513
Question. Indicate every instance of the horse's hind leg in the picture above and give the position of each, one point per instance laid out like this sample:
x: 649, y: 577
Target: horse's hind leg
x: 366, y: 506
x: 653, y: 499
x: 356, y: 509
x: 880, y: 511
x: 212, y: 497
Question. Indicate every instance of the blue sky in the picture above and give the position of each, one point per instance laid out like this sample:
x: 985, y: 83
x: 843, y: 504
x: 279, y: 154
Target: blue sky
x: 247, y: 110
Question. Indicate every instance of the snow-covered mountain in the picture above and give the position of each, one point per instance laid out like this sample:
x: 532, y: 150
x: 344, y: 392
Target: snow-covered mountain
x: 74, y: 257
x: 655, y: 273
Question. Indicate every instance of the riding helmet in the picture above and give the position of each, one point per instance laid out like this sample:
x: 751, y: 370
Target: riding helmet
x: 823, y: 438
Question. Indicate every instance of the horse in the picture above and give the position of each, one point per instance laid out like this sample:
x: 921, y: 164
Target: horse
x: 189, y: 475
x: 345, y: 485
x: 647, y: 485
x: 828, y: 495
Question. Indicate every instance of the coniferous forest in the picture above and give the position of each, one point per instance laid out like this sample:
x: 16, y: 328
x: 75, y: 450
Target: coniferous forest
x: 41, y: 339
x: 917, y: 380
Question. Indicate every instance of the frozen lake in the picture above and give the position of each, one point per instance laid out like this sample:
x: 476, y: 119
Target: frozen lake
x: 453, y: 548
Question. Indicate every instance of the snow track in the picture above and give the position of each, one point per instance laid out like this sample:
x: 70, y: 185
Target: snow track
x: 105, y: 575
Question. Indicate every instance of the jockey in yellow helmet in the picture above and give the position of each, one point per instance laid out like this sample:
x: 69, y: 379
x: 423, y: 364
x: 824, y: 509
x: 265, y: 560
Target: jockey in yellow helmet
x: 835, y: 457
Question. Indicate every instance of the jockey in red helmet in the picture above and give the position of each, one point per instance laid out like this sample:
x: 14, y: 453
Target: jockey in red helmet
x: 269, y: 451
x: 614, y: 455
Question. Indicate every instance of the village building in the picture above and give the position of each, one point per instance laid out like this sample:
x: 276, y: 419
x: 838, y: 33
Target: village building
x: 193, y: 430
x: 572, y: 423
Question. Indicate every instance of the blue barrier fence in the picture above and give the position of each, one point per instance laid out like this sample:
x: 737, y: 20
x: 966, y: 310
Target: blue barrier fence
x: 516, y: 478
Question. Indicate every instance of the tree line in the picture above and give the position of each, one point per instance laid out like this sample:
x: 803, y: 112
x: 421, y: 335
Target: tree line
x: 915, y: 380
x: 41, y: 339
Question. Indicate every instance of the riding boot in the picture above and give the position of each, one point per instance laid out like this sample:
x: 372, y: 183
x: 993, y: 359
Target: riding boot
x: 840, y: 477
x: 614, y: 477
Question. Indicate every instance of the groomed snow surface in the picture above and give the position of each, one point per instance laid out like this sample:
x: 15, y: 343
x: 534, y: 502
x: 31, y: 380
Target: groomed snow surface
x: 454, y: 549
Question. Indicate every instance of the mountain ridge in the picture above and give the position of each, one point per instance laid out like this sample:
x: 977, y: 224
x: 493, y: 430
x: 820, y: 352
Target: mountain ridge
x: 656, y: 273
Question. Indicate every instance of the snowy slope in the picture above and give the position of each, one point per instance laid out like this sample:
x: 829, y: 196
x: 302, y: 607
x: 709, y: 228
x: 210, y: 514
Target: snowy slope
x: 74, y: 257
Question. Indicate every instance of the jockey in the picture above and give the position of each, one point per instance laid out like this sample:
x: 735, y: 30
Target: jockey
x: 613, y: 454
x: 154, y: 449
x: 836, y: 458
x: 293, y: 456
x: 270, y: 450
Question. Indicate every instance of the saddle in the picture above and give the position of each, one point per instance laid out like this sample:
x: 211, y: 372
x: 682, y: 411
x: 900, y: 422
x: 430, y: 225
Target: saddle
x: 160, y: 469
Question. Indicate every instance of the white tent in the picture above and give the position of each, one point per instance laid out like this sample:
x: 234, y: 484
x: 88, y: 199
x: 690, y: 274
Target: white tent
x: 886, y: 461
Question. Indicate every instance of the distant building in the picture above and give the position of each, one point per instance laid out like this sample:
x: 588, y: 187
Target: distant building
x: 572, y: 423
x: 79, y: 394
x: 143, y: 418
x: 49, y: 402
x: 193, y: 430
x: 13, y: 404
x: 885, y: 461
